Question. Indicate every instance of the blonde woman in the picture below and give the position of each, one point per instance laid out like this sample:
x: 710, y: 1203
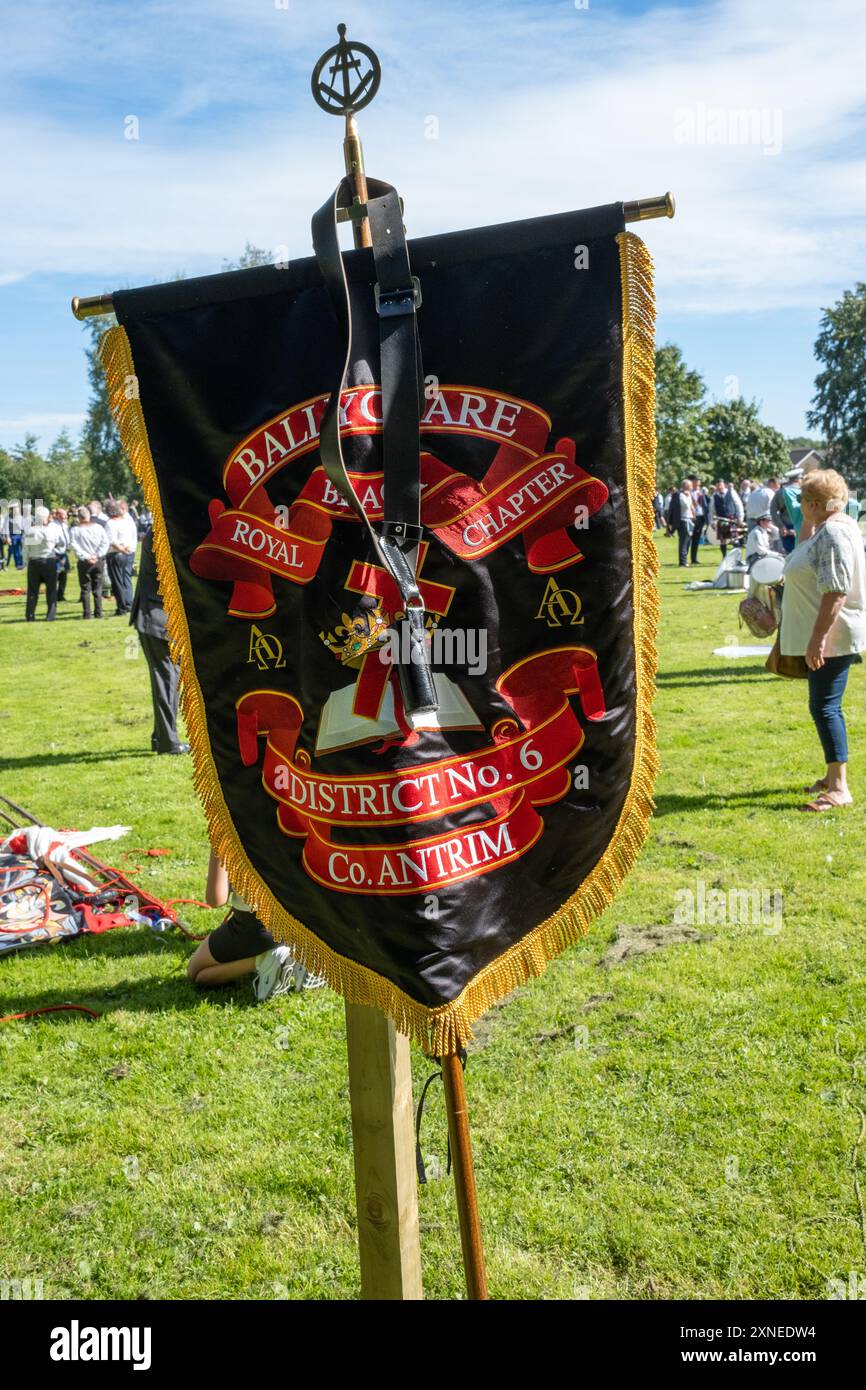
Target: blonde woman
x: 824, y: 620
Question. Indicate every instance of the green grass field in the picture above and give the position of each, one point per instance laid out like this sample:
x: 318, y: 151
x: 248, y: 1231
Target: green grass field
x: 683, y: 1122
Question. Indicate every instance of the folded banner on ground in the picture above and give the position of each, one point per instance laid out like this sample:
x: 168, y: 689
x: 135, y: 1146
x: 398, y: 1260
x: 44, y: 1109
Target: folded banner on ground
x: 424, y: 866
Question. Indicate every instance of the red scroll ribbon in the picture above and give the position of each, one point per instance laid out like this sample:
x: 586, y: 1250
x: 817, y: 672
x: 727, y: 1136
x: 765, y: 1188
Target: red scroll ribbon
x: 527, y: 491
x: 514, y: 774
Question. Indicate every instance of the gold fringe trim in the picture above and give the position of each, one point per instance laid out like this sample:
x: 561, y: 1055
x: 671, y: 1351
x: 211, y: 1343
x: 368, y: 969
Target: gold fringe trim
x: 443, y: 1030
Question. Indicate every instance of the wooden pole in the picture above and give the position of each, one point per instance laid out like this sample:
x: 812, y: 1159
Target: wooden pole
x: 381, y: 1263
x: 380, y: 1071
x: 383, y: 1134
x: 464, y: 1178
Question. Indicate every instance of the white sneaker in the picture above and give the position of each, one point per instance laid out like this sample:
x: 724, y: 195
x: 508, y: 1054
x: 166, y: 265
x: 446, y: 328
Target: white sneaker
x: 304, y: 980
x: 275, y: 973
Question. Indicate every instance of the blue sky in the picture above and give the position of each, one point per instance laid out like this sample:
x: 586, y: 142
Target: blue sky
x: 753, y: 114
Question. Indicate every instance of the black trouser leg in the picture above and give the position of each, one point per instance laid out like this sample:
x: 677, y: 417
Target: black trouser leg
x: 696, y: 540
x: 112, y: 564
x: 34, y: 580
x: 91, y: 578
x: 683, y: 533
x: 50, y: 576
x: 41, y: 572
x: 84, y: 582
x: 163, y: 689
x: 97, y: 582
x: 124, y: 578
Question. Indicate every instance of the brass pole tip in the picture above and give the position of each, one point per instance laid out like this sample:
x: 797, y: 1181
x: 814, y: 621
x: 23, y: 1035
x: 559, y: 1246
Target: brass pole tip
x: 670, y: 205
x: 91, y: 306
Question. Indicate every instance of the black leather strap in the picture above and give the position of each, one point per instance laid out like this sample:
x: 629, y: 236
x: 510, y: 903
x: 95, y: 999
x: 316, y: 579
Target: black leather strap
x: 399, y: 350
x: 396, y: 296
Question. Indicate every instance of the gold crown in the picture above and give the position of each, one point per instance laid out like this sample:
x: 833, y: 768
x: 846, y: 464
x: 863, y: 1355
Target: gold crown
x: 358, y: 634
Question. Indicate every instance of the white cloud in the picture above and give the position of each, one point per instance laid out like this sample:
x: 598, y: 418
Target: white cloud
x: 539, y: 109
x: 46, y: 425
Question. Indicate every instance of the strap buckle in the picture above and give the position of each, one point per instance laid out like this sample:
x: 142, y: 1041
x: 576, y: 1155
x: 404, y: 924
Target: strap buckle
x: 392, y: 303
x: 403, y: 532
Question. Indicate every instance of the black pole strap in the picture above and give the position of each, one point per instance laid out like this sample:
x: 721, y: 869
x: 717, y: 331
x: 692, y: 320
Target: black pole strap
x: 396, y: 297
x: 419, y: 1115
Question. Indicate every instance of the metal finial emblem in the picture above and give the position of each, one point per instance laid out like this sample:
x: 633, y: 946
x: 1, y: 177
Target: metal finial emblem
x: 348, y: 70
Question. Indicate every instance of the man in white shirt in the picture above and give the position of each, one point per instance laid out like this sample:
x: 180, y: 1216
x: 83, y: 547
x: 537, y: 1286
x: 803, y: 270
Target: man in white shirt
x: 122, y: 545
x: 89, y: 542
x: 760, y: 500
x: 760, y: 541
x: 682, y: 520
x: 15, y: 523
x: 97, y: 514
x: 42, y: 543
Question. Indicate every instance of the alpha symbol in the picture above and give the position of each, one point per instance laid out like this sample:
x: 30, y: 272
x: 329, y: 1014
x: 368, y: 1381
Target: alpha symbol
x: 560, y: 606
x: 265, y: 650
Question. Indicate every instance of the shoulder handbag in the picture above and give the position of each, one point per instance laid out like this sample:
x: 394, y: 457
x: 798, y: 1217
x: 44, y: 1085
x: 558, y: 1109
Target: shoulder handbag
x: 792, y: 667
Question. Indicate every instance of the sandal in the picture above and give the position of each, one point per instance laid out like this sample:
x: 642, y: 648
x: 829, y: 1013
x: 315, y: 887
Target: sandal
x: 819, y: 786
x: 824, y: 802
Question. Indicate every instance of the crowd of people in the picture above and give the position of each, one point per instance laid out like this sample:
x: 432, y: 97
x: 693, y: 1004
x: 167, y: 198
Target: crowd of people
x: 760, y: 513
x: 101, y: 539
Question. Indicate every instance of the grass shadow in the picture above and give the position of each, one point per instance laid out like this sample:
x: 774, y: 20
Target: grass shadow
x: 736, y: 673
x: 672, y: 804
x: 82, y: 756
x: 152, y: 996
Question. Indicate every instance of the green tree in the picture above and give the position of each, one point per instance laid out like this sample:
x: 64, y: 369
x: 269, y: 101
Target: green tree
x: 6, y: 488
x: 69, y: 471
x: 27, y: 475
x: 839, y: 403
x: 60, y: 476
x: 740, y: 445
x: 802, y: 441
x: 680, y: 396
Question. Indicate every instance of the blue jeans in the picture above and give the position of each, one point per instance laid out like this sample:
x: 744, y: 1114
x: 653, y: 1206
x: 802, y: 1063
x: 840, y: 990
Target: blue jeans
x: 826, y: 688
